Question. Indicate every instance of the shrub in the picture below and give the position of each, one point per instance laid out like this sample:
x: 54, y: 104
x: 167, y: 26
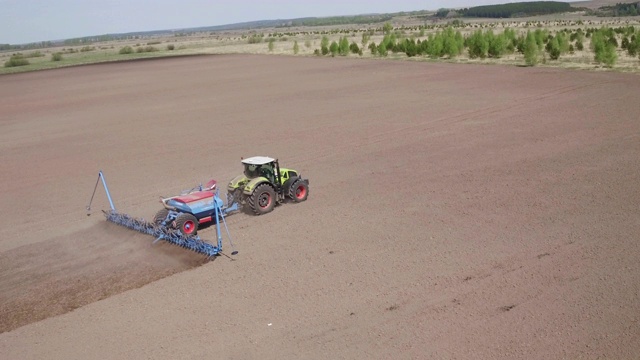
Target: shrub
x: 634, y: 45
x: 478, y: 45
x: 452, y: 43
x: 365, y: 39
x: 343, y: 46
x: 373, y: 48
x: 625, y: 43
x: 16, y: 60
x: 435, y: 45
x: 324, y: 42
x: 170, y: 47
x: 563, y: 42
x: 334, y: 48
x: 296, y: 49
x: 56, y: 56
x: 354, y: 47
x: 605, y: 51
x: 34, y: 54
x: 386, y: 28
x: 541, y: 36
x: 126, y: 50
x: 271, y: 44
x: 520, y: 44
x: 255, y: 39
x: 382, y: 49
x: 324, y: 50
x: 531, y: 49
x: 497, y: 45
x: 410, y: 47
x: 553, y: 48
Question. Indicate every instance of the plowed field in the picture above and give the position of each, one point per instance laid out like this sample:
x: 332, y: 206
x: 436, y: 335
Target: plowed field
x: 455, y: 211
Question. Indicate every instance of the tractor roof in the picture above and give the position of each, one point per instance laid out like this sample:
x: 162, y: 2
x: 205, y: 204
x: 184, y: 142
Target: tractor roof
x: 258, y: 160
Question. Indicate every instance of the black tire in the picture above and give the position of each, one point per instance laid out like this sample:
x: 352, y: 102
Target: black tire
x: 299, y: 191
x: 161, y: 215
x: 187, y: 224
x: 286, y: 187
x: 263, y: 199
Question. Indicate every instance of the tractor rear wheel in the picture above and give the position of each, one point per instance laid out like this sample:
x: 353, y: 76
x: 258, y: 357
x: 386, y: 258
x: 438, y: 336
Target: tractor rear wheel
x: 161, y: 215
x: 299, y: 191
x: 187, y: 224
x: 263, y: 199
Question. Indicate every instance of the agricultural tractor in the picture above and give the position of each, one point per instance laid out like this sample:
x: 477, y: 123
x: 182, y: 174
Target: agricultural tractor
x: 264, y: 184
x: 261, y: 186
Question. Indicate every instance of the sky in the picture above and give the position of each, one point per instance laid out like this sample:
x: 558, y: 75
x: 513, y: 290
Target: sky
x: 26, y: 21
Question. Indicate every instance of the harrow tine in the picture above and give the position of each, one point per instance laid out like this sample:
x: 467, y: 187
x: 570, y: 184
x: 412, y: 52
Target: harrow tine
x: 193, y: 243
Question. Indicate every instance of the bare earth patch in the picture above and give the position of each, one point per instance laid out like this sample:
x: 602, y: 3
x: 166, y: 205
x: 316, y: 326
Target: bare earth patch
x: 455, y: 211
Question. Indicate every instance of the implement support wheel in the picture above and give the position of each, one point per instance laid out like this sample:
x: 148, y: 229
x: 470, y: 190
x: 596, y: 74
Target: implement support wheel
x: 161, y: 215
x: 187, y: 224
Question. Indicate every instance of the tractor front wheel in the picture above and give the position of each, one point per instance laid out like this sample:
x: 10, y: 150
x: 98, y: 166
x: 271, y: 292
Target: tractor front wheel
x: 299, y: 191
x: 263, y: 199
x: 187, y: 224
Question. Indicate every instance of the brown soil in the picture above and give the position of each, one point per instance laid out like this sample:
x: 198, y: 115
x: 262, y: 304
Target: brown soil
x: 455, y: 211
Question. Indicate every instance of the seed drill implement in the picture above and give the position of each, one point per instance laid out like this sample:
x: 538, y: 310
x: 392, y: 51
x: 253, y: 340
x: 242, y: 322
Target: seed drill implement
x: 177, y: 223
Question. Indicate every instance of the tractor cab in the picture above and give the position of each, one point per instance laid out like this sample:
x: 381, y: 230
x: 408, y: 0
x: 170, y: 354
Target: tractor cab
x: 261, y: 166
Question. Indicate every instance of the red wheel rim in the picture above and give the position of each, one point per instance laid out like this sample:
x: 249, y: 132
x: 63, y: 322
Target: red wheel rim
x: 301, y: 191
x: 264, y: 200
x: 188, y: 227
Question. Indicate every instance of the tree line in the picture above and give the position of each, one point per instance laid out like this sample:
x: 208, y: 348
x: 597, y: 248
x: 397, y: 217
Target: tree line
x: 532, y: 8
x: 339, y: 20
x: 535, y: 45
x: 628, y: 9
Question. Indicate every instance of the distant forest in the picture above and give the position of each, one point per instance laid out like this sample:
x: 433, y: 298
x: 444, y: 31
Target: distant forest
x: 630, y: 9
x: 523, y: 9
x: 339, y: 20
x: 38, y: 45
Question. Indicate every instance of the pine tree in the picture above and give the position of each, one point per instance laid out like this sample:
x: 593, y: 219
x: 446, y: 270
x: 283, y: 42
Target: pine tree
x: 531, y: 50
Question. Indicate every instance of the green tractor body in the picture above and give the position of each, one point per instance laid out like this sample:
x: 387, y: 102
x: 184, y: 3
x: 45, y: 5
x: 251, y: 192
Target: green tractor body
x: 263, y: 184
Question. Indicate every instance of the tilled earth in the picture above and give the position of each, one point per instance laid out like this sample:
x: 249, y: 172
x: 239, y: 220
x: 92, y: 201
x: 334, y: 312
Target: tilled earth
x: 455, y: 211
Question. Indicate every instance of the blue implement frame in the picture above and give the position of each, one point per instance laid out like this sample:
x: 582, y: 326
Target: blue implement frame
x: 166, y: 233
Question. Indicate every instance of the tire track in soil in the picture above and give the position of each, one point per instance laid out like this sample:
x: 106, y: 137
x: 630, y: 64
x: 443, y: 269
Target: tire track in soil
x: 54, y: 277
